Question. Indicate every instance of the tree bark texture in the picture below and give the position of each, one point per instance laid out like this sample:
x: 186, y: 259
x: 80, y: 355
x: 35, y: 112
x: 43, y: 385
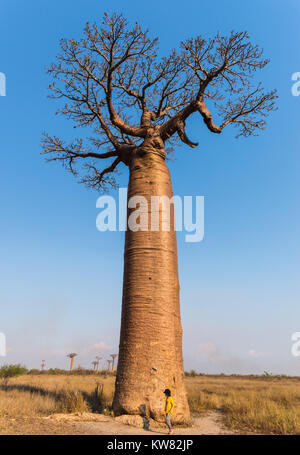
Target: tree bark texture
x: 150, y: 351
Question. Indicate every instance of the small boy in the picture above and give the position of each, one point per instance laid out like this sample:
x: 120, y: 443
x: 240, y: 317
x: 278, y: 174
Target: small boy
x: 169, y: 407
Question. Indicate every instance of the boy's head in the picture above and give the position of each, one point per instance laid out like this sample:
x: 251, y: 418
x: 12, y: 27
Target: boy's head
x: 167, y: 392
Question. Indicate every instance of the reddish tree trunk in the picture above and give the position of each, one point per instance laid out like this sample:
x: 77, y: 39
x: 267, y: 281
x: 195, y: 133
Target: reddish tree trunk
x: 150, y: 355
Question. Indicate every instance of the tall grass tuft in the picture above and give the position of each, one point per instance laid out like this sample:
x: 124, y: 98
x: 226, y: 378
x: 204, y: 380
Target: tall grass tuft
x: 71, y: 401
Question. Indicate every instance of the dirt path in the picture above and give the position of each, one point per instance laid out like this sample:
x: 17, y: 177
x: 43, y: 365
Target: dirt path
x: 210, y: 423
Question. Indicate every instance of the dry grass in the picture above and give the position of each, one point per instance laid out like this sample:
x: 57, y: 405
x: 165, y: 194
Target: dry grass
x: 17, y: 403
x: 41, y: 395
x: 264, y: 405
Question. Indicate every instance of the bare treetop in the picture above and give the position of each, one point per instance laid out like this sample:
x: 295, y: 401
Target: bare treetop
x: 72, y: 355
x: 113, y: 82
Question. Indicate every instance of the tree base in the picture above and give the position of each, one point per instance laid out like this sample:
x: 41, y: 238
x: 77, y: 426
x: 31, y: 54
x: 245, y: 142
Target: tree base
x: 152, y: 407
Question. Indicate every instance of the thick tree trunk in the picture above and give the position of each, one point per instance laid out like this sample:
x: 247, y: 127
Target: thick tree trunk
x: 150, y: 352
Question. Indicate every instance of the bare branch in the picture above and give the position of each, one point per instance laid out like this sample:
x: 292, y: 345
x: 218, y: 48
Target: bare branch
x: 182, y: 134
x: 54, y: 145
x: 207, y: 117
x: 69, y: 155
x: 100, y: 180
x: 248, y: 111
x: 225, y: 64
x: 114, y: 85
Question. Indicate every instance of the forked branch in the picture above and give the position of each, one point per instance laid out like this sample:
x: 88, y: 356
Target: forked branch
x: 114, y: 85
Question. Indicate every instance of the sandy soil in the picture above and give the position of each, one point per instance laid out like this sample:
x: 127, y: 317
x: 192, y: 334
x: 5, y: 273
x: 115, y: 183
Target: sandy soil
x: 210, y: 423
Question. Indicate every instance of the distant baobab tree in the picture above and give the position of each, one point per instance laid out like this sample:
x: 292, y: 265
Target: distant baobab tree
x: 98, y: 360
x: 108, y: 364
x: 134, y: 106
x: 95, y: 363
x: 113, y: 361
x: 71, y: 356
x: 43, y: 364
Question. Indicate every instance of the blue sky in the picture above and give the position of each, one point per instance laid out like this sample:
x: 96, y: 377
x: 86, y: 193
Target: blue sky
x: 61, y: 279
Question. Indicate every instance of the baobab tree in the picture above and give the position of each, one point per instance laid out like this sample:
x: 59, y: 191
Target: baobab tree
x: 95, y: 363
x: 43, y: 364
x: 98, y: 360
x: 108, y: 364
x: 134, y: 106
x: 71, y: 356
x: 113, y: 356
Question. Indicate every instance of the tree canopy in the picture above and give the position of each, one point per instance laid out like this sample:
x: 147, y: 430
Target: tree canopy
x: 113, y: 81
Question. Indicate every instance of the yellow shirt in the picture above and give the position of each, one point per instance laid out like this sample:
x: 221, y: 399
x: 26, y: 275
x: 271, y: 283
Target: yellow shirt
x: 169, y: 405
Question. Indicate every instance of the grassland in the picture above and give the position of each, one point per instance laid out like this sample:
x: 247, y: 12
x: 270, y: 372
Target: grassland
x: 260, y: 404
x: 248, y: 404
x: 42, y: 395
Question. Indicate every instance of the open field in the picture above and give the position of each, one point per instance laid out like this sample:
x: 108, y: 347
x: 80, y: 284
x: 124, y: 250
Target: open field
x: 258, y: 404
x: 234, y: 403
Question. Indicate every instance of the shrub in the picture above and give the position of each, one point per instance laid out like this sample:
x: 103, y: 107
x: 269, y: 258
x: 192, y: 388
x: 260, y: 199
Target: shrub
x: 9, y: 371
x: 56, y: 371
x: 35, y: 371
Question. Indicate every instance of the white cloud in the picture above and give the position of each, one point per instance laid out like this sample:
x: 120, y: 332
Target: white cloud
x: 210, y: 356
x: 101, y: 346
x: 256, y: 354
